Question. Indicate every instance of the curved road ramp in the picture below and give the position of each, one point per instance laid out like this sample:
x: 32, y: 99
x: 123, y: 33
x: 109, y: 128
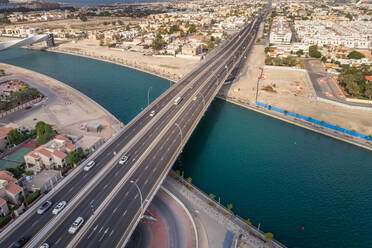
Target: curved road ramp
x: 27, y: 41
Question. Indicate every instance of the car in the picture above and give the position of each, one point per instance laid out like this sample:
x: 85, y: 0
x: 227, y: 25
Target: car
x: 152, y: 113
x: 44, y: 207
x: 59, y: 207
x: 76, y: 225
x: 194, y: 98
x: 89, y: 165
x: 20, y: 243
x: 123, y: 160
x: 45, y: 245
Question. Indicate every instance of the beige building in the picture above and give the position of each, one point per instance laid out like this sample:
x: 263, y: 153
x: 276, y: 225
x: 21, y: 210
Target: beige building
x: 4, y: 210
x: 9, y: 191
x: 51, y: 155
x: 192, y: 49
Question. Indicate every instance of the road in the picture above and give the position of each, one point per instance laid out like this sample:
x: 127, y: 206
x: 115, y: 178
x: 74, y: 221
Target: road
x: 152, y: 144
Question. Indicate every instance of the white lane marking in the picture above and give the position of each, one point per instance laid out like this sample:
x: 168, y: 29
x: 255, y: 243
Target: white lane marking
x: 33, y: 224
x: 94, y: 229
x: 104, y: 234
x: 84, y: 175
x: 147, y: 180
x: 162, y: 158
x: 136, y: 196
x: 100, y: 229
x: 161, y: 148
x: 111, y: 233
x: 70, y: 189
x: 126, y: 194
x: 116, y: 173
x: 124, y: 213
x: 91, y: 202
x: 115, y: 210
x: 105, y: 186
x: 167, y: 139
x: 153, y: 170
x: 168, y: 149
x: 173, y: 131
x: 133, y: 159
x: 146, y: 167
x: 58, y: 240
x: 154, y: 156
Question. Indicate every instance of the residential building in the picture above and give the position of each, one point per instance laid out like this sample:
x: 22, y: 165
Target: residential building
x: 4, y: 137
x: 192, y: 49
x: 280, y: 32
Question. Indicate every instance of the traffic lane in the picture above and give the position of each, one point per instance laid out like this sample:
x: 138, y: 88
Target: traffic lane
x: 127, y: 199
x: 104, y: 187
x: 116, y: 144
x: 190, y: 124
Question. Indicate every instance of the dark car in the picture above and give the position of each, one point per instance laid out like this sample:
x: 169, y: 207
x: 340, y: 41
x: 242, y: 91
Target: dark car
x: 20, y: 243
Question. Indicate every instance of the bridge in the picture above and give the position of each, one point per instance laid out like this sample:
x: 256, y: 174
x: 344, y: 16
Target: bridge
x: 27, y: 41
x: 112, y: 198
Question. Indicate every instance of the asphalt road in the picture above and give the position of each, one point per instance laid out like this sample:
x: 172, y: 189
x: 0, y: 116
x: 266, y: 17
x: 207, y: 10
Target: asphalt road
x: 34, y: 222
x: 157, y: 141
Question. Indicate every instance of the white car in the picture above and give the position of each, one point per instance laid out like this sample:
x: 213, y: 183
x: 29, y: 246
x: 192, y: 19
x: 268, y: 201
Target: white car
x: 194, y: 98
x: 46, y: 205
x: 59, y: 207
x: 123, y: 160
x: 45, y: 245
x: 152, y: 113
x: 76, y: 225
x: 89, y: 165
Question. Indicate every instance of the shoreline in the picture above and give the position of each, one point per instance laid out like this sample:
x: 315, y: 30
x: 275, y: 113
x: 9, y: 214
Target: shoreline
x: 133, y: 67
x: 293, y: 122
x: 116, y: 125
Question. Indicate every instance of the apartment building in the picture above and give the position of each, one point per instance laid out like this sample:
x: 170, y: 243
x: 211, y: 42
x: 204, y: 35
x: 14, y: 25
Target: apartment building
x: 51, y: 155
x: 280, y: 32
x: 9, y: 191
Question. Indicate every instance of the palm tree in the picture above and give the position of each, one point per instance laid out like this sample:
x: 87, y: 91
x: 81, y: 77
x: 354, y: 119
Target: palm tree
x: 189, y: 180
x: 269, y: 236
x: 248, y: 222
x: 229, y: 207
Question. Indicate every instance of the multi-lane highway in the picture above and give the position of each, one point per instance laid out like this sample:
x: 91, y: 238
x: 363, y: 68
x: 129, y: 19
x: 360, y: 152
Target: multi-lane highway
x: 106, y: 196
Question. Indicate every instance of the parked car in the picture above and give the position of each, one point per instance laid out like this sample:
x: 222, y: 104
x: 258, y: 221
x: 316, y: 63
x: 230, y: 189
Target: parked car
x: 46, y: 205
x: 45, y: 245
x: 89, y: 165
x: 123, y: 160
x: 152, y: 113
x: 59, y: 207
x: 76, y: 225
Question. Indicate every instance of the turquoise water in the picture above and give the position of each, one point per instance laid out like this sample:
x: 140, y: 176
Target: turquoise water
x: 281, y: 176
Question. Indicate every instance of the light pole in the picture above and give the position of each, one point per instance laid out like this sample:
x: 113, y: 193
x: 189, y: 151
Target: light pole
x: 148, y: 96
x: 139, y: 190
x: 179, y: 129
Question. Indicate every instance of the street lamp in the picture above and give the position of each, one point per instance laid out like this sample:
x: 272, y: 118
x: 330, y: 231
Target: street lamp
x: 179, y: 129
x: 139, y: 190
x: 148, y: 96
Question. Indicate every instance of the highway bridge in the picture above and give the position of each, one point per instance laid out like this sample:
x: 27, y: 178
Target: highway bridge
x: 27, y: 41
x: 112, y: 198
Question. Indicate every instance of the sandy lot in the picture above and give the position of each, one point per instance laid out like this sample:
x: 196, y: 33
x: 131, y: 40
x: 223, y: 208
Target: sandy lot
x: 168, y: 67
x: 292, y: 92
x: 66, y: 109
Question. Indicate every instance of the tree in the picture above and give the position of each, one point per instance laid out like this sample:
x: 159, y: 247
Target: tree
x: 192, y: 29
x: 353, y: 88
x: 21, y: 198
x: 120, y: 22
x: 300, y: 52
x: 2, y: 72
x: 349, y: 16
x: 16, y: 137
x: 42, y: 128
x: 4, y: 20
x: 269, y: 236
x: 368, y: 91
x: 75, y: 157
x: 229, y: 207
x: 83, y: 18
x: 323, y: 59
x: 248, y: 222
x: 101, y: 42
x: 355, y: 55
x: 189, y: 180
x: 212, y: 196
x: 113, y: 23
x: 313, y: 52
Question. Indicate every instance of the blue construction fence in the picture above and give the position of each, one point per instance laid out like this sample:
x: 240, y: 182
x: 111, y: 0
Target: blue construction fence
x: 321, y: 123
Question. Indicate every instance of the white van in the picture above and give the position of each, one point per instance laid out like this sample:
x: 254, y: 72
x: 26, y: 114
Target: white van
x: 177, y: 100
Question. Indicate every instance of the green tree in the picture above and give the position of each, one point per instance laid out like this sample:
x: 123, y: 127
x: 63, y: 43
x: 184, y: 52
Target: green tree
x: 4, y: 20
x: 101, y: 42
x: 42, y: 128
x: 355, y: 55
x: 248, y: 222
x: 300, y: 52
x: 313, y: 52
x: 368, y: 91
x: 212, y: 196
x: 353, y: 88
x: 83, y: 17
x: 15, y: 137
x: 349, y: 16
x: 21, y: 198
x: 269, y: 236
x: 113, y: 23
x: 75, y: 157
x: 192, y: 29
x: 323, y: 59
x: 2, y: 72
x: 189, y: 180
x: 229, y: 207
